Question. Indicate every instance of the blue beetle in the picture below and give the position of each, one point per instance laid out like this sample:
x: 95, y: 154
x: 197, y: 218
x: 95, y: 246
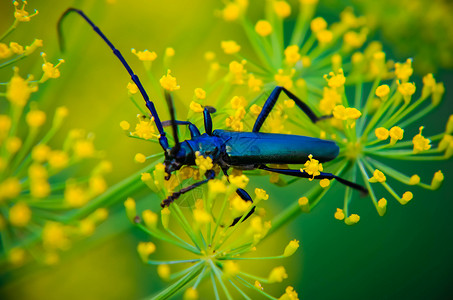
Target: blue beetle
x: 244, y: 150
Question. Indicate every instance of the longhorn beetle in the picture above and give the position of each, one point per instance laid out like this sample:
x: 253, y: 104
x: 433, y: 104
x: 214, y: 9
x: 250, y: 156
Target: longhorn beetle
x: 245, y: 150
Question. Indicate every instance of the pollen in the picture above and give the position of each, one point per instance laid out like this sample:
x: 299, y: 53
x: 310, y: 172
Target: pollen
x: 396, y: 134
x: 420, y: 142
x: 335, y: 80
x: 277, y: 275
x: 21, y: 14
x: 200, y: 93
x: 50, y: 70
x: 230, y: 47
x: 168, y: 82
x: 145, y: 55
x: 140, y: 158
x: 312, y: 167
x: 263, y: 28
x: 291, y: 248
x: 282, y: 9
x: 36, y: 118
x: 292, y: 55
x: 19, y: 214
x: 145, y: 249
x: 196, y: 107
x: 339, y: 214
x: 318, y: 24
x: 125, y: 125
x: 415, y: 179
x: 378, y: 176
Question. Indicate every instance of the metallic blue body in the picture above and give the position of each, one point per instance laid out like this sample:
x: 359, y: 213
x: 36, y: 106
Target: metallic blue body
x: 252, y: 149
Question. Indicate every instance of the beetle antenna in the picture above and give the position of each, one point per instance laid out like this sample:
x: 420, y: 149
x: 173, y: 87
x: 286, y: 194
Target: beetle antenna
x: 149, y: 104
x: 171, y: 109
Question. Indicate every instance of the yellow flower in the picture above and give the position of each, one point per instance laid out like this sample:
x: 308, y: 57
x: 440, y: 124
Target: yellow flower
x: 263, y: 28
x: 420, y: 142
x: 312, y: 167
x: 230, y: 47
x: 378, y: 176
x: 282, y: 9
x: 168, y: 82
x: 277, y: 275
x: 291, y: 248
x: 145, y: 55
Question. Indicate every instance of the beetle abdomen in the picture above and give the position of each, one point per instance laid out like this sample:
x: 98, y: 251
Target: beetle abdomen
x: 245, y: 148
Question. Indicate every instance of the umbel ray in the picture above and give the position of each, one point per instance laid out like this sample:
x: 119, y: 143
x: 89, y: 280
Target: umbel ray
x: 244, y: 150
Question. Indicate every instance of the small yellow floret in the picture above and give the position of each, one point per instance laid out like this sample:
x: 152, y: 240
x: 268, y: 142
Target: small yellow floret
x: 407, y: 196
x: 290, y: 294
x: 292, y: 55
x: 261, y: 194
x: 382, y: 206
x: 19, y: 214
x: 190, y: 294
x: 58, y: 159
x: 277, y: 275
x: 383, y: 91
x: 231, y: 12
x: 438, y: 178
x: 16, y: 48
x: 168, y: 82
x: 54, y: 236
x: 318, y: 24
x: 196, y: 107
x: 240, y: 181
x: 404, y: 70
x: 140, y: 158
x: 231, y: 269
x: 352, y: 219
x: 324, y: 37
x: 164, y: 272
x: 204, y: 163
x: 150, y: 219
x: 36, y: 118
x: 324, y: 182
x: 339, y: 214
x: 200, y: 93
x: 335, y: 80
x: 132, y: 88
x: 378, y: 176
x: 258, y: 285
x: 145, y: 249
x: 415, y: 179
x: 312, y: 167
x: 396, y: 134
x: 50, y: 70
x: 255, y: 84
x: 282, y: 9
x: 169, y: 52
x: 145, y: 55
x: 420, y: 142
x: 263, y: 28
x: 291, y: 248
x: 131, y: 210
x: 21, y: 14
x: 201, y: 216
x: 125, y: 125
x: 230, y: 47
x: 165, y: 217
x: 381, y: 133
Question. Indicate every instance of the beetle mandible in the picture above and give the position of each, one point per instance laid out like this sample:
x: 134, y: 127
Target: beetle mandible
x: 245, y: 150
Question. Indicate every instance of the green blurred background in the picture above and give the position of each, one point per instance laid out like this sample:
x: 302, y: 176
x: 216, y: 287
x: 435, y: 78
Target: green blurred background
x: 403, y: 255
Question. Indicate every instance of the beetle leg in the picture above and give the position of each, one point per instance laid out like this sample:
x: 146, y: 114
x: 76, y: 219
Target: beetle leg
x: 270, y: 102
x: 210, y: 174
x: 207, y: 121
x: 194, y: 132
x: 246, y: 197
x: 298, y: 173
